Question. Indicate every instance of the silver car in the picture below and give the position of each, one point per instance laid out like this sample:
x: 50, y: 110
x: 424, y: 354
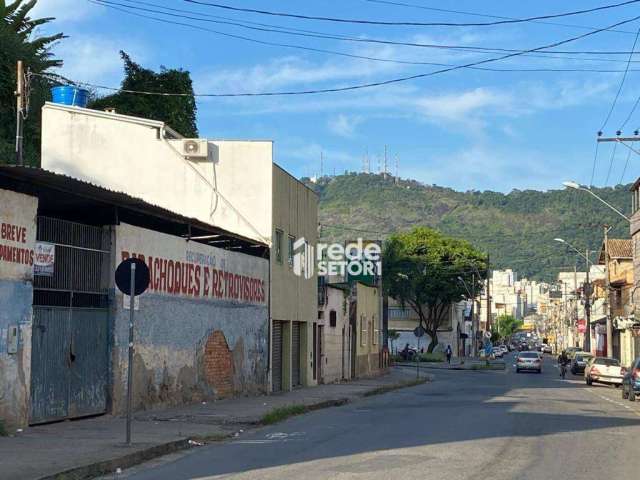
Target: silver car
x: 528, y: 361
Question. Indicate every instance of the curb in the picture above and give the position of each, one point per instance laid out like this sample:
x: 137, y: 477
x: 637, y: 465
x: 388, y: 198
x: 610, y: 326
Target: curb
x: 126, y: 461
x: 106, y: 467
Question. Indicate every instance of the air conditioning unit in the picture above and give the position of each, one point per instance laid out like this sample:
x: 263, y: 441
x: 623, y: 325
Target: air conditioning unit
x: 192, y: 147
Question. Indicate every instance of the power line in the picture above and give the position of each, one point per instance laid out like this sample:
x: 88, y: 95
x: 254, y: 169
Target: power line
x: 409, y: 23
x: 613, y: 156
x: 483, y: 15
x: 378, y: 83
x: 624, y: 77
x: 314, y: 34
x: 624, y: 170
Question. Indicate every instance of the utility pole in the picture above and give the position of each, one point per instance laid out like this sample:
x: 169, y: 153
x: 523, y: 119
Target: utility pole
x: 321, y: 163
x: 573, y: 324
x: 608, y: 292
x: 474, y: 325
x: 587, y: 308
x: 488, y: 294
x: 20, y: 106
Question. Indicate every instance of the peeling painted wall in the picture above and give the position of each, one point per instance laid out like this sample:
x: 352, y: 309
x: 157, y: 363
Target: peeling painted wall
x: 17, y: 240
x: 336, y: 340
x: 196, y: 343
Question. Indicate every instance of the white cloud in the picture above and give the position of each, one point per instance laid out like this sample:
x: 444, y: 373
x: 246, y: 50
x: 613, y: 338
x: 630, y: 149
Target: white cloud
x: 65, y: 10
x: 95, y: 59
x: 459, y: 106
x: 481, y: 166
x: 344, y: 125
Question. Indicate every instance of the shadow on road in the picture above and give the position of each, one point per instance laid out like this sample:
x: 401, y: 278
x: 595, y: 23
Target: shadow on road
x: 459, y: 406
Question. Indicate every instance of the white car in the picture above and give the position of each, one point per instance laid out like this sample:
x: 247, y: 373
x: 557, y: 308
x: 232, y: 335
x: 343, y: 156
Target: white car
x: 604, y: 370
x: 497, y: 352
x: 503, y: 348
x: 546, y: 348
x: 529, y: 361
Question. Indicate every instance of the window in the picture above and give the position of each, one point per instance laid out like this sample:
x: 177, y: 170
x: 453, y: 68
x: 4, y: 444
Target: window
x: 292, y: 240
x: 278, y: 246
x: 376, y: 332
x: 363, y: 331
x: 333, y: 318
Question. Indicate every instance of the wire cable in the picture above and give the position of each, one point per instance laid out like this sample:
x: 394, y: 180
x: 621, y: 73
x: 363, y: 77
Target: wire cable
x: 321, y: 35
x: 613, y: 156
x: 378, y: 83
x: 409, y: 23
x: 624, y: 77
x: 483, y: 15
x: 624, y: 170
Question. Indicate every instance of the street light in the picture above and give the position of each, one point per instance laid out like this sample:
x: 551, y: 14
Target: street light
x: 577, y: 186
x: 472, y: 295
x: 464, y: 284
x: 587, y: 304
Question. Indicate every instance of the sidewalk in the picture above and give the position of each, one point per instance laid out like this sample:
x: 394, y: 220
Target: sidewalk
x: 90, y: 447
x: 472, y: 363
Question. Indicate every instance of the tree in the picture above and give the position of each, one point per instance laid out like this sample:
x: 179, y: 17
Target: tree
x: 179, y: 112
x: 18, y: 41
x: 421, y: 269
x: 507, y: 325
x: 393, y: 335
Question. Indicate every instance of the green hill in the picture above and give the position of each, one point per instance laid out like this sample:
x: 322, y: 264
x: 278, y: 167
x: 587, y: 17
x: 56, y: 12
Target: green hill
x: 517, y: 229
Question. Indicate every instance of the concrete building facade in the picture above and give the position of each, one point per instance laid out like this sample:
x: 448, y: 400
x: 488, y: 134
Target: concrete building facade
x: 233, y: 185
x: 334, y: 333
x: 17, y: 245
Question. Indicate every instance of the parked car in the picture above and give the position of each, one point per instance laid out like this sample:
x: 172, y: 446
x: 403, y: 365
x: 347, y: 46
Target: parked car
x: 528, y: 361
x: 604, y: 370
x: 546, y: 348
x: 497, y: 352
x: 579, y: 362
x: 631, y: 382
x: 504, y: 348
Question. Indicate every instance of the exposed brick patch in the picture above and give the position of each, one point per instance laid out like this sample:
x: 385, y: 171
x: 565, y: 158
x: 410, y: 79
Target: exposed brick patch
x: 218, y: 364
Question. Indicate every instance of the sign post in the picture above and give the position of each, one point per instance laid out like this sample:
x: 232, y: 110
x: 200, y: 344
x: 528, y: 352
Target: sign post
x: 132, y: 278
x: 419, y: 331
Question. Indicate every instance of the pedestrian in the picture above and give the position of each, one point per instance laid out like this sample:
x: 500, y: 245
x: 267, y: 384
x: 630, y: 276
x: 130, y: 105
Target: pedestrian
x: 448, y: 353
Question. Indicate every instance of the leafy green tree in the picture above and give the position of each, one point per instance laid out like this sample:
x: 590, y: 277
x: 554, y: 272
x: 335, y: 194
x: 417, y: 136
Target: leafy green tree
x: 19, y: 41
x: 421, y: 269
x: 179, y: 112
x: 393, y: 336
x: 507, y: 325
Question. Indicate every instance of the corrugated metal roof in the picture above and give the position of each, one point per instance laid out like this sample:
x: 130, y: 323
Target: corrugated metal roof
x: 37, y: 178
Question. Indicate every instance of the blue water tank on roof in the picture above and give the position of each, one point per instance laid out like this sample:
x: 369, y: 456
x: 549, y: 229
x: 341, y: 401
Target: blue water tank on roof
x: 70, y: 95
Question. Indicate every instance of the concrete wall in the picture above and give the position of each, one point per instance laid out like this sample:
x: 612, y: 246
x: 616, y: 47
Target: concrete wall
x: 294, y: 297
x: 17, y: 241
x: 368, y: 345
x: 230, y: 188
x: 336, y: 361
x: 206, y: 339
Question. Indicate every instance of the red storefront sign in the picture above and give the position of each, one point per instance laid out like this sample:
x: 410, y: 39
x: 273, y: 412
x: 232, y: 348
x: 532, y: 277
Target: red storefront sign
x: 582, y: 325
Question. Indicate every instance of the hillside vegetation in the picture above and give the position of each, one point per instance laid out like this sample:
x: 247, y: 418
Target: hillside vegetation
x: 516, y: 229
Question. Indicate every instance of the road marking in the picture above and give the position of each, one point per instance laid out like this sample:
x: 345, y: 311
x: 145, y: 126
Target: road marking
x: 619, y: 404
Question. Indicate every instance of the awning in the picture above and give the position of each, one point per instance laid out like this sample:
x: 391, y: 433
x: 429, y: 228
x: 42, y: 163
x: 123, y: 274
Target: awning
x: 67, y: 197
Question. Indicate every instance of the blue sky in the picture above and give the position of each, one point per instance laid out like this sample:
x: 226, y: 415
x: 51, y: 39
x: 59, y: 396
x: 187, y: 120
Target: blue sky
x: 467, y: 129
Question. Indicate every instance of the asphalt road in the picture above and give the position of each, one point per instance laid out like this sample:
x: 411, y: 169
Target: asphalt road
x: 464, y: 425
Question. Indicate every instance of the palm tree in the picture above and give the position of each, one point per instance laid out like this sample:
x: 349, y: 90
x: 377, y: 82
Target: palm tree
x: 19, y: 41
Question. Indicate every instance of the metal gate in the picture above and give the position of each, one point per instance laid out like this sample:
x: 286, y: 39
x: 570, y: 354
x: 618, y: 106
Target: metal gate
x: 70, y: 340
x: 276, y: 355
x: 295, y: 354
